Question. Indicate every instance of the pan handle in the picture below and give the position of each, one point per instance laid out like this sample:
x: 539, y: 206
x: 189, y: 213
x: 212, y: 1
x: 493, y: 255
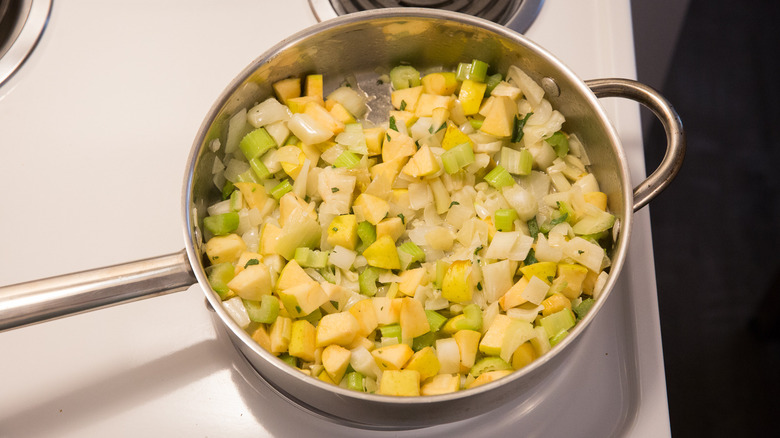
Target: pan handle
x: 675, y: 136
x: 51, y: 298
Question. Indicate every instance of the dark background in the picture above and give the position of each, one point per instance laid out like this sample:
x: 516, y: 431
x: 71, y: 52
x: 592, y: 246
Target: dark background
x: 715, y: 229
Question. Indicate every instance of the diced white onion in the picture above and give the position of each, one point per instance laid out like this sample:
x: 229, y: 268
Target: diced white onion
x: 307, y: 129
x: 535, y: 291
x: 521, y: 200
x: 353, y: 101
x: 267, y: 112
x: 449, y: 356
x: 235, y: 308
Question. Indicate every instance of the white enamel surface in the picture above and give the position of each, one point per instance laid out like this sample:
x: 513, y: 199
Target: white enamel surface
x: 94, y: 134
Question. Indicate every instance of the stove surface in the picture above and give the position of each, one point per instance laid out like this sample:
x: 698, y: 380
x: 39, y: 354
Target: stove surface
x: 97, y: 126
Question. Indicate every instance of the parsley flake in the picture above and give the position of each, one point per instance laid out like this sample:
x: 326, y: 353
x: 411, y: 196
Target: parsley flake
x: 251, y: 262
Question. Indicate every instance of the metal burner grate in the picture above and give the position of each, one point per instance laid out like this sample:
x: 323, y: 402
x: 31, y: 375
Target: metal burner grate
x: 515, y: 14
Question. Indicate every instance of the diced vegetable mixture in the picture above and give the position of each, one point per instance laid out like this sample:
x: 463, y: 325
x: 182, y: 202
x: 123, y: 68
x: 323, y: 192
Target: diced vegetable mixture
x: 443, y: 249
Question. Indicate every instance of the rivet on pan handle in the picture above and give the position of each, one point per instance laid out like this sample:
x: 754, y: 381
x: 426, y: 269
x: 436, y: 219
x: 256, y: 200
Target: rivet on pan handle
x: 675, y: 136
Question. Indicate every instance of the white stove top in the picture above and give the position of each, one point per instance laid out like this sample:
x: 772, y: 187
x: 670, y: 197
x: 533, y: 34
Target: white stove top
x: 94, y: 135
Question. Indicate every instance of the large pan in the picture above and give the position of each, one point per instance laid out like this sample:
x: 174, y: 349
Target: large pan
x: 358, y: 45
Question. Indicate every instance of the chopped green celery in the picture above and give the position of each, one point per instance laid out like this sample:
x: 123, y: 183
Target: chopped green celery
x: 299, y: 230
x: 457, y: 158
x: 533, y: 227
x: 473, y: 315
x: 289, y: 360
x: 281, y: 189
x: 227, y: 190
x: 558, y: 322
x: 310, y: 258
x: 526, y: 162
x: 566, y: 213
x: 248, y: 176
x: 221, y: 224
x: 476, y: 123
x: 347, y: 159
x: 517, y: 128
x: 327, y: 274
x: 516, y: 162
x: 367, y: 233
x: 219, y: 276
x: 256, y: 143
x: 475, y: 71
x: 367, y: 280
x: 489, y: 363
x: 404, y: 76
x: 259, y: 168
x: 264, y: 311
x: 355, y: 381
x: 499, y: 177
x: 435, y: 320
x: 441, y: 269
x: 423, y: 341
x: 314, y: 317
x: 583, y: 308
x: 560, y: 143
x: 236, y: 201
x: 505, y: 219
x: 594, y: 224
x: 409, y: 253
x: 558, y: 338
x: 491, y: 82
x: 391, y: 331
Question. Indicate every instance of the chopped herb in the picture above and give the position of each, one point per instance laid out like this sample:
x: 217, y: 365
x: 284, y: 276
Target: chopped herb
x: 251, y: 262
x: 388, y: 139
x: 517, y: 128
x: 393, y: 126
x: 334, y: 189
x: 454, y: 203
x: 443, y: 125
x: 560, y: 219
x: 479, y: 285
x: 298, y: 309
x: 335, y: 304
x: 307, y: 198
x: 403, y: 105
x: 533, y: 227
x: 580, y: 251
x: 530, y: 259
x: 430, y: 129
x: 380, y: 82
x: 335, y: 229
x: 403, y: 220
x: 550, y: 278
x: 479, y: 248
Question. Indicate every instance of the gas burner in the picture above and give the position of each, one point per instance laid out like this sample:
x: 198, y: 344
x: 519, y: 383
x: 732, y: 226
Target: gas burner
x: 21, y: 25
x: 515, y: 14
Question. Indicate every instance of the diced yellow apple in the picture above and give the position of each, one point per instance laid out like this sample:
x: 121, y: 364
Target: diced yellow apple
x: 245, y: 258
x: 291, y: 202
x: 457, y: 283
x: 392, y: 357
x: 574, y: 276
x: 340, y: 113
x: 382, y: 254
x: 261, y: 336
x: 490, y: 376
x: 429, y: 102
x: 281, y: 330
x: 513, y: 297
x: 468, y: 344
x: 397, y: 145
x: 406, y: 98
x: 370, y: 207
x: 227, y: 249
x: 337, y: 328
x: 323, y: 117
x: 325, y: 377
x: 413, y: 320
x: 392, y: 226
x: 392, y: 168
x: 440, y: 83
x: 454, y: 137
x: 441, y: 238
x: 400, y: 383
x: 302, y: 299
x: 252, y: 283
x: 388, y: 310
x: 423, y: 163
x: 441, y: 384
x: 374, y: 139
x: 410, y: 280
x: 406, y: 118
x: 597, y: 199
x: 302, y: 340
x: 268, y: 239
x: 335, y: 360
x: 254, y: 194
x: 292, y: 159
x: 470, y: 96
x: 425, y: 362
x: 287, y: 89
x: 494, y: 337
x: 439, y: 117
x: 362, y: 342
x: 337, y: 297
x: 298, y: 104
x: 293, y: 275
x: 314, y: 85
x: 342, y: 231
x: 364, y: 312
x: 500, y: 119
x: 544, y: 270
x: 524, y: 355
